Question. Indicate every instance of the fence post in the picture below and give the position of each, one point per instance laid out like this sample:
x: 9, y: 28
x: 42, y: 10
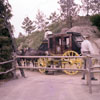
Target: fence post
x: 14, y: 66
x: 88, y: 65
x: 21, y: 70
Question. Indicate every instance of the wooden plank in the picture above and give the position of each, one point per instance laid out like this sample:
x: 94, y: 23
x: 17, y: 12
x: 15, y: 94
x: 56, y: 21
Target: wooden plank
x: 50, y: 56
x: 5, y: 62
x: 95, y: 71
x: 7, y: 71
x: 70, y: 69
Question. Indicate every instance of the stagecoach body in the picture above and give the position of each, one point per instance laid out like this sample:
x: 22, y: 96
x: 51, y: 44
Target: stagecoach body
x: 68, y: 44
x: 68, y: 41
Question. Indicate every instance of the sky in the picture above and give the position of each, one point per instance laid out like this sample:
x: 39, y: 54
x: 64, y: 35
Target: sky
x: 24, y: 8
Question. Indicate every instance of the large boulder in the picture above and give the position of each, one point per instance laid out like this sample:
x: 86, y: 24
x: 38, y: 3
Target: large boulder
x: 86, y: 29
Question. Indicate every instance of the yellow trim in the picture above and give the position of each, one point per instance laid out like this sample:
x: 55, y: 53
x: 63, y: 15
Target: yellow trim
x: 42, y: 62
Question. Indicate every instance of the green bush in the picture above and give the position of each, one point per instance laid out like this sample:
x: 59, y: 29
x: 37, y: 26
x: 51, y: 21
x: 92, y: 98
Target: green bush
x: 95, y: 19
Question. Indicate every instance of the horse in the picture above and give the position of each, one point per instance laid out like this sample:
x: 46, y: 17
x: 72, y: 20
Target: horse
x: 33, y: 52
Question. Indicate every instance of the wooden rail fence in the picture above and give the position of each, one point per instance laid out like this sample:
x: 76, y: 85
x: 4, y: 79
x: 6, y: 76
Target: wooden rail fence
x: 10, y: 70
x: 89, y: 67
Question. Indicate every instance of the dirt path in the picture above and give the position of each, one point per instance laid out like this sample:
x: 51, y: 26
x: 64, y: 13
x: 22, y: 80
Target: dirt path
x: 48, y: 87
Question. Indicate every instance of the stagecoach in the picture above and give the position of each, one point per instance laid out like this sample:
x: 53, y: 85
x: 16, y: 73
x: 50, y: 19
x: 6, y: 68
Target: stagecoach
x: 67, y: 44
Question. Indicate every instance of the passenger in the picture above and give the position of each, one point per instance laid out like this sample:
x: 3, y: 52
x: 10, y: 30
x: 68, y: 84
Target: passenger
x: 87, y: 49
x: 47, y: 32
x: 58, y: 48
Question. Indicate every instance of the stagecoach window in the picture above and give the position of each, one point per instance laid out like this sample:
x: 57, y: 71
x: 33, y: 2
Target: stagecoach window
x: 58, y: 41
x: 67, y: 41
x: 79, y: 38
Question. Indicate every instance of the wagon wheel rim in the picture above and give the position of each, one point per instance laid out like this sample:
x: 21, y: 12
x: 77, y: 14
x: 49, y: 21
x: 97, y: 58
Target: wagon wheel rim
x: 71, y: 62
x: 42, y: 62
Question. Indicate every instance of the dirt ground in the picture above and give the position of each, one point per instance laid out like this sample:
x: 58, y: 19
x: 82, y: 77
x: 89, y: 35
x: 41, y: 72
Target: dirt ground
x: 37, y: 86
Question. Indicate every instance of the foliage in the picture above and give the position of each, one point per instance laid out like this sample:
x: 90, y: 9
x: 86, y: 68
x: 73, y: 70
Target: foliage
x: 95, y: 6
x: 40, y: 20
x: 95, y: 19
x: 57, y: 26
x: 91, y: 7
x: 54, y: 17
x: 20, y: 35
x: 28, y: 26
x: 68, y: 10
x: 5, y: 40
x: 33, y: 40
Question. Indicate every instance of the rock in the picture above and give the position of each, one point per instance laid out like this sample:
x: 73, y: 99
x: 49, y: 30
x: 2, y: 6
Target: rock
x: 86, y: 29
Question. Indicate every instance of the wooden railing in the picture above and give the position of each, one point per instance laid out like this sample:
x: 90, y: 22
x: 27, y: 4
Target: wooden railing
x: 10, y: 70
x: 88, y: 70
x: 5, y: 62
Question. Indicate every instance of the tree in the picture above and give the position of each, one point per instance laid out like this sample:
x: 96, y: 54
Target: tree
x: 56, y: 22
x: 28, y: 26
x: 95, y: 6
x: 40, y: 20
x: 20, y: 35
x: 86, y: 5
x: 69, y: 10
x: 5, y: 40
x: 91, y: 6
x: 95, y: 19
x: 54, y: 17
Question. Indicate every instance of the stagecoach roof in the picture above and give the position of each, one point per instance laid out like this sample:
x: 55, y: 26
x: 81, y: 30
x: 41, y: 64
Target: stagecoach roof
x: 63, y: 34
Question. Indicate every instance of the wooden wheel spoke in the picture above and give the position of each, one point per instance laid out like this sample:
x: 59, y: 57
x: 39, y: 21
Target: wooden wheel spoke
x: 42, y: 62
x: 72, y: 62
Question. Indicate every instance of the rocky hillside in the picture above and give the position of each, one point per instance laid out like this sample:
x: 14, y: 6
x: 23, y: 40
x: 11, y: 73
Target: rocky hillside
x: 86, y: 29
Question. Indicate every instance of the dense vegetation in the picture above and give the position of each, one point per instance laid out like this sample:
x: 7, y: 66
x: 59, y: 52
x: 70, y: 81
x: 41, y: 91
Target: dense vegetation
x: 5, y: 40
x: 95, y: 19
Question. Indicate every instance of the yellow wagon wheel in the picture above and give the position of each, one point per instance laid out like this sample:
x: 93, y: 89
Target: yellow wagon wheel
x: 42, y: 62
x: 71, y: 62
x: 55, y: 60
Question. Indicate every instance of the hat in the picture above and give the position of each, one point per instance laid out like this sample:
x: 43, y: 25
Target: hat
x: 46, y: 29
x: 86, y: 36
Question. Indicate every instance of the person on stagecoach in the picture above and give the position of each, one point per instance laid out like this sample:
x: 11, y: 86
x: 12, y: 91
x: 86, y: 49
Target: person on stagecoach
x: 58, y: 48
x: 47, y: 32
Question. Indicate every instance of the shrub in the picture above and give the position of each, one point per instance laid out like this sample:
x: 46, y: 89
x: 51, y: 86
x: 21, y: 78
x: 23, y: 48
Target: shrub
x: 95, y: 19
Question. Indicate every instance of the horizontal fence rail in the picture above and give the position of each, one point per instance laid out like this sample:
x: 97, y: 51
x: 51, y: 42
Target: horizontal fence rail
x: 10, y: 70
x: 5, y: 62
x: 70, y: 69
x: 50, y: 56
